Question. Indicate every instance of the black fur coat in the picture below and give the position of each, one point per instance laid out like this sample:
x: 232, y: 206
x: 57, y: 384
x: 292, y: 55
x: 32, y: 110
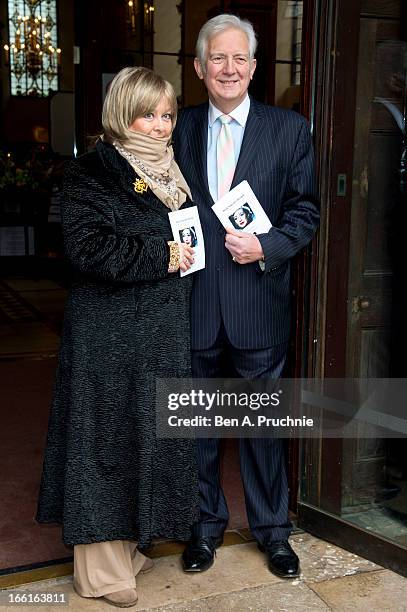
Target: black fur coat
x: 106, y: 475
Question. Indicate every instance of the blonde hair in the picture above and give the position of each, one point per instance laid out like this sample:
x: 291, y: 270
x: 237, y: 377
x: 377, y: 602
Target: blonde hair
x: 133, y: 93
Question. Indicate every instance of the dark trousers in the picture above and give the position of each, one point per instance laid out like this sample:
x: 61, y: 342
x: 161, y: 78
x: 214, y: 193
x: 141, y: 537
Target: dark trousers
x: 262, y: 461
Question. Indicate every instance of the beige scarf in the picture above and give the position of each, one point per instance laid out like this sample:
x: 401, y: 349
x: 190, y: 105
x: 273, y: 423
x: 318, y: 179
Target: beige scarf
x: 153, y: 160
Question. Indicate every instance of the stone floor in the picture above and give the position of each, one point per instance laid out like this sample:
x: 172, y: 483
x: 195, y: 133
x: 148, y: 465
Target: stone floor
x: 331, y: 579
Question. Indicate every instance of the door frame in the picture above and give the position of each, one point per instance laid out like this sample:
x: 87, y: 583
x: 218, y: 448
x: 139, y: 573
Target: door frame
x: 335, y: 70
x: 304, y: 266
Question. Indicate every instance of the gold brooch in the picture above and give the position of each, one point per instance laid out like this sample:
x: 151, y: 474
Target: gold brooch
x: 140, y: 186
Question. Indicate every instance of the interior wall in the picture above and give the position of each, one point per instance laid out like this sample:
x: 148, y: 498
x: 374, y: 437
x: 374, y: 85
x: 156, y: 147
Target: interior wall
x: 4, y: 84
x: 167, y: 39
x: 284, y: 41
x: 100, y: 31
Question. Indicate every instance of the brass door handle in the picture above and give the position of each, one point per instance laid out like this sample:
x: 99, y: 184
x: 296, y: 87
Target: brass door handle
x: 361, y: 303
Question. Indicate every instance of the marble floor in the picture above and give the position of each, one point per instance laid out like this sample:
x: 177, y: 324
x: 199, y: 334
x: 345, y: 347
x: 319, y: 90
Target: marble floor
x: 31, y: 313
x: 386, y: 521
x: 30, y: 317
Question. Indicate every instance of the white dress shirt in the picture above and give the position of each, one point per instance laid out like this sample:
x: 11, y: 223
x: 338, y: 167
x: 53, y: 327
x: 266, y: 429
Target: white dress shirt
x: 237, y: 126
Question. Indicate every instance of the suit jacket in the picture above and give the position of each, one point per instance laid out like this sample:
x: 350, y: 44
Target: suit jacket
x: 276, y: 158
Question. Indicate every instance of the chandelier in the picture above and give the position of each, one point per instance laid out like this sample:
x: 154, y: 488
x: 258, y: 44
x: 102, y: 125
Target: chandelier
x: 134, y: 8
x: 32, y: 54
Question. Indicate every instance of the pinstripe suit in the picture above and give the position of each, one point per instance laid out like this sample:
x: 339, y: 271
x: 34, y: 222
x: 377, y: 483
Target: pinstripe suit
x: 240, y: 312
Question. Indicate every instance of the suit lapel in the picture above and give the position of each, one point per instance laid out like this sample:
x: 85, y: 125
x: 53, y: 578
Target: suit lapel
x: 199, y: 145
x: 252, y: 135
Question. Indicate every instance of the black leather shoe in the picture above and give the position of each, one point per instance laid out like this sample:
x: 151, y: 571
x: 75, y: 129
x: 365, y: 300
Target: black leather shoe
x: 199, y: 553
x: 281, y: 559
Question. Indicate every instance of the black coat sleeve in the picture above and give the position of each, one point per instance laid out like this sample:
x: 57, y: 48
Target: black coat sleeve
x: 94, y: 246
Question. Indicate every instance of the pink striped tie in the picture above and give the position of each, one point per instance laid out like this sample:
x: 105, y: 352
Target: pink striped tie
x: 225, y: 154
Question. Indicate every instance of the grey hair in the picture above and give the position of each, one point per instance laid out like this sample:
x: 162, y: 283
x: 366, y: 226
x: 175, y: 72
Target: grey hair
x: 220, y: 24
x: 133, y: 93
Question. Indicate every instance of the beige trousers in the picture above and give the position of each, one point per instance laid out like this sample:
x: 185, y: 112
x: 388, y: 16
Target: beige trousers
x: 106, y: 567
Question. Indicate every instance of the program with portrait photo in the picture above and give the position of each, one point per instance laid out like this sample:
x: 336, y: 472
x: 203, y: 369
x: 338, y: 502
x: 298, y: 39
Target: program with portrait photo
x: 241, y: 217
x: 188, y: 236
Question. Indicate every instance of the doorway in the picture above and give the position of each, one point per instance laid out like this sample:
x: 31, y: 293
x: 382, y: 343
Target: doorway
x: 33, y: 292
x: 354, y: 491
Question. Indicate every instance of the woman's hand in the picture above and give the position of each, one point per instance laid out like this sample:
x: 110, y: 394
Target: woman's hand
x: 186, y: 256
x: 181, y: 257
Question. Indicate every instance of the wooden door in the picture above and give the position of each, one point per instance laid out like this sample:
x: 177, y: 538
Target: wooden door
x: 361, y: 294
x: 375, y: 197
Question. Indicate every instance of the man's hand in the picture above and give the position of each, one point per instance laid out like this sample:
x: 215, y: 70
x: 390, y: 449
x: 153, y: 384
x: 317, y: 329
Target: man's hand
x: 244, y: 248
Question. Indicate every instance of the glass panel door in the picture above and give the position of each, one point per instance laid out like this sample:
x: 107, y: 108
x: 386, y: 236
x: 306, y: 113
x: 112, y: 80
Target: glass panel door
x: 360, y: 481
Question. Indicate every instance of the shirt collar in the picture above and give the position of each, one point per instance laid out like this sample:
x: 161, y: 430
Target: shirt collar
x: 239, y: 114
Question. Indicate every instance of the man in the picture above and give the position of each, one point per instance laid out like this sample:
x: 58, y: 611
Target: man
x: 217, y: 145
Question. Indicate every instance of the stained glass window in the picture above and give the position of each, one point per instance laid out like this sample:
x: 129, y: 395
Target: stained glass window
x: 33, y: 51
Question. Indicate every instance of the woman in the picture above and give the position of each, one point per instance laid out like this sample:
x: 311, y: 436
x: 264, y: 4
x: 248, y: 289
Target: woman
x: 242, y: 217
x: 107, y: 478
x: 188, y: 236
